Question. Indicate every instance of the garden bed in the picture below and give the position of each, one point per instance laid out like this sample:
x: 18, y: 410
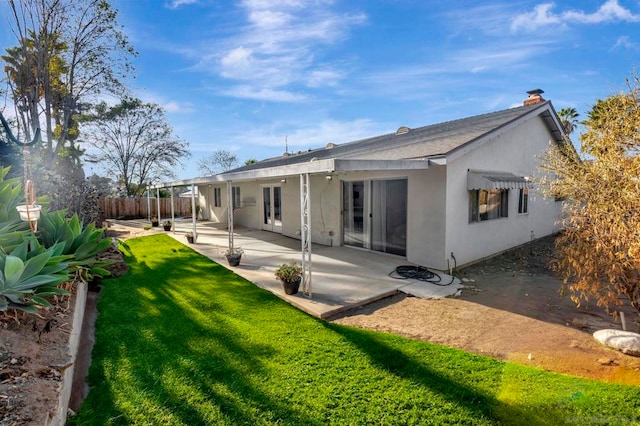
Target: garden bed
x: 34, y: 357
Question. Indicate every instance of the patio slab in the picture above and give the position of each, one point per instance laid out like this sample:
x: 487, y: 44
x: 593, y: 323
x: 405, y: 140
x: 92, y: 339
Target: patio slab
x: 342, y: 277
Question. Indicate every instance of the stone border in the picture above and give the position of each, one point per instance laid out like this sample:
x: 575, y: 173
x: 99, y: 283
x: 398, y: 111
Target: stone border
x: 65, y: 388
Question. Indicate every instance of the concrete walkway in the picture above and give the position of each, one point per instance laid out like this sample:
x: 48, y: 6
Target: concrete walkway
x: 342, y: 277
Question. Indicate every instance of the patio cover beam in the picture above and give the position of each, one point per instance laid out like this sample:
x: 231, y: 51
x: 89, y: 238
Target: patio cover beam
x: 331, y: 165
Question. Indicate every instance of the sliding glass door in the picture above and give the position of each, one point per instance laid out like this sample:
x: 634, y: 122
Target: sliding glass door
x: 375, y: 215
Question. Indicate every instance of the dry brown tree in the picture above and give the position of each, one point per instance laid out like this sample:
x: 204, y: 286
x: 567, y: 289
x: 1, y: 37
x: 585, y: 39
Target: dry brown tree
x: 599, y: 250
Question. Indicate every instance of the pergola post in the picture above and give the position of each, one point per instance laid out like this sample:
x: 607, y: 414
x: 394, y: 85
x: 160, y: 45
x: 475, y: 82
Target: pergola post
x: 173, y: 212
x: 230, y: 213
x: 158, y: 203
x: 149, y: 202
x: 305, y: 232
x: 193, y: 212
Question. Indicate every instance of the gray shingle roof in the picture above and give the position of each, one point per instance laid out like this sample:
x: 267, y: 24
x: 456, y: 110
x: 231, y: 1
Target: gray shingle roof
x: 428, y: 141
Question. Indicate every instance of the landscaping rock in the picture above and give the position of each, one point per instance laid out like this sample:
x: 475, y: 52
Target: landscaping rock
x: 625, y: 341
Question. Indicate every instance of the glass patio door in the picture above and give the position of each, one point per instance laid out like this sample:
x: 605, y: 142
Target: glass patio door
x: 375, y: 215
x: 272, y: 208
x: 355, y: 214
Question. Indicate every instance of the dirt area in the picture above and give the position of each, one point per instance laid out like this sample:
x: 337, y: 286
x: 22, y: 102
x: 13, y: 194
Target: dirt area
x: 33, y: 356
x: 510, y: 309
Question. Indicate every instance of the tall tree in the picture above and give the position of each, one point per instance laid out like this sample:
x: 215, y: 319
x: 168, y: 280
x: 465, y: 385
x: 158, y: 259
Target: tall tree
x: 599, y: 250
x: 569, y: 119
x: 218, y: 161
x: 134, y: 140
x: 68, y: 52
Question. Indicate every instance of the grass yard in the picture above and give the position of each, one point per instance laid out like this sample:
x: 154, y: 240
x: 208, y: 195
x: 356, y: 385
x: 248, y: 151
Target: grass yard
x: 181, y: 340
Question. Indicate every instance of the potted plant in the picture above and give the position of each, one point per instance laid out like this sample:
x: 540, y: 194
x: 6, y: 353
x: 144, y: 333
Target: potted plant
x: 190, y: 237
x: 154, y: 221
x: 290, y: 274
x: 233, y: 255
x: 167, y: 225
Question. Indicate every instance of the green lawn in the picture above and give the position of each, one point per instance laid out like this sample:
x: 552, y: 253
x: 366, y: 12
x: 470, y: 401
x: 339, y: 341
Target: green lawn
x: 181, y: 340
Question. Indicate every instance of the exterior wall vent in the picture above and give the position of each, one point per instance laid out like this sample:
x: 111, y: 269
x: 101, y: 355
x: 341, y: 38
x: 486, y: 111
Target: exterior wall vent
x: 403, y: 130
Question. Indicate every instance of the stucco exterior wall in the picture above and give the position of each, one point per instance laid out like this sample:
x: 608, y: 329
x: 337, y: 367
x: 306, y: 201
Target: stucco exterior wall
x: 514, y: 151
x: 209, y: 211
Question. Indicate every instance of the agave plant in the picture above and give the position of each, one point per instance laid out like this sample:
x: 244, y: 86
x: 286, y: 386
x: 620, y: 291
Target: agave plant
x: 13, y: 231
x: 30, y: 274
x: 82, y: 243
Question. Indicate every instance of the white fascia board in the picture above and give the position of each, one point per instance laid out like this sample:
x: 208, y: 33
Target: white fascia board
x: 316, y: 166
x: 439, y: 161
x: 188, y: 182
x: 369, y: 165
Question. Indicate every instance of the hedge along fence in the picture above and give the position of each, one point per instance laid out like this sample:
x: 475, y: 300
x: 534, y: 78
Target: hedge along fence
x: 136, y: 208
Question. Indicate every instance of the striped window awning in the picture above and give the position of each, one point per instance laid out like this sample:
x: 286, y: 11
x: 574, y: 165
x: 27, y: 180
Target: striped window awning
x: 478, y: 179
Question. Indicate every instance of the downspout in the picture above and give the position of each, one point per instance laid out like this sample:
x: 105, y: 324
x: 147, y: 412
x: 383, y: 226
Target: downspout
x: 193, y: 212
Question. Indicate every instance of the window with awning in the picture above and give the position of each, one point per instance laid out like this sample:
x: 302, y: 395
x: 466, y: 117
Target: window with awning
x: 486, y: 180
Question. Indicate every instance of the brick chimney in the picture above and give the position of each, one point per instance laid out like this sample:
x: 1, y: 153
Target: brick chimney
x: 535, y: 97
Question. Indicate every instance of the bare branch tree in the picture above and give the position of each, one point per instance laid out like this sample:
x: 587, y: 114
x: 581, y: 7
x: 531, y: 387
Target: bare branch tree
x: 217, y: 162
x: 135, y: 140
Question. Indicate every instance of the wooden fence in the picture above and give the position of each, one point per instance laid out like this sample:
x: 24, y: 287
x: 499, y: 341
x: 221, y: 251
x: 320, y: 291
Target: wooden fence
x: 136, y: 208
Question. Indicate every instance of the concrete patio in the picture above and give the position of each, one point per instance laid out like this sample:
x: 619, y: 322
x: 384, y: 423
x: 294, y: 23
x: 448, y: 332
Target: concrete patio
x: 343, y: 277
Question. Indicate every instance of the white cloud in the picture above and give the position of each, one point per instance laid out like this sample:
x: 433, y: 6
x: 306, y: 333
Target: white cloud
x: 624, y: 42
x: 543, y: 16
x: 178, y: 107
x: 276, y: 48
x: 169, y: 105
x: 315, y: 135
x: 174, y: 4
x: 263, y: 94
x: 324, y: 78
x: 237, y: 59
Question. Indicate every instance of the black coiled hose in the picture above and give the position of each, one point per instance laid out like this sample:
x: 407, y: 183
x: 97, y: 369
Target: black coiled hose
x: 419, y: 273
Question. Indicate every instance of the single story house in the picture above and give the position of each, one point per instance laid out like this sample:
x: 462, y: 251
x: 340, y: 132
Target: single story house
x: 439, y: 195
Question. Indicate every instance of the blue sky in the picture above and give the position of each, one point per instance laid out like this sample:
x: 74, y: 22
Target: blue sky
x: 245, y: 75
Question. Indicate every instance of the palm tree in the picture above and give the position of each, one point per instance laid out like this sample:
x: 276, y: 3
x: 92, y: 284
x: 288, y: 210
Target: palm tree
x: 569, y: 119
